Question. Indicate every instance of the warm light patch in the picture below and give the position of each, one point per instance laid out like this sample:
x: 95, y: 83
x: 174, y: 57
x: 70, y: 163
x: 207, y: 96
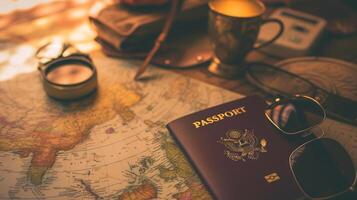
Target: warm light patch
x: 238, y: 8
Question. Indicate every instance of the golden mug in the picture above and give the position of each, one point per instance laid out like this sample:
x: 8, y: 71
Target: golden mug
x: 233, y: 28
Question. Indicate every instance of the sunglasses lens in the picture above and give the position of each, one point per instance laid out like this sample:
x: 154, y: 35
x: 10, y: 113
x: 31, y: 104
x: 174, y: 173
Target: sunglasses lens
x: 322, y: 168
x: 295, y: 115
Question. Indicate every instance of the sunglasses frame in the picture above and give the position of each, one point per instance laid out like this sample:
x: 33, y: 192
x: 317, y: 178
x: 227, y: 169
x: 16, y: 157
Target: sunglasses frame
x: 351, y: 188
x: 279, y: 100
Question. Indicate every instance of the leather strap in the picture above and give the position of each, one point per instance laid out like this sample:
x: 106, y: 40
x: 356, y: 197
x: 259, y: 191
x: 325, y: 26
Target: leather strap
x: 175, y: 6
x: 187, y: 49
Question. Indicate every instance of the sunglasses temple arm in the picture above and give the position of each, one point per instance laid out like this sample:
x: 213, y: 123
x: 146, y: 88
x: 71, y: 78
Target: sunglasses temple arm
x: 337, y: 107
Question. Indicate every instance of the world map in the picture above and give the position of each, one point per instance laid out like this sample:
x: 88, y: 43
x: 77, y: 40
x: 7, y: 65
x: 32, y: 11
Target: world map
x: 111, y: 145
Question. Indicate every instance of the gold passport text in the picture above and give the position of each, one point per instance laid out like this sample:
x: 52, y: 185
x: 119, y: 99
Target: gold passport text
x: 219, y: 117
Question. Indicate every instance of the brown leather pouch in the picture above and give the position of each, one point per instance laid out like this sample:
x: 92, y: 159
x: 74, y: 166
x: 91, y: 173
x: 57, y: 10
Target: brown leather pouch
x: 130, y: 33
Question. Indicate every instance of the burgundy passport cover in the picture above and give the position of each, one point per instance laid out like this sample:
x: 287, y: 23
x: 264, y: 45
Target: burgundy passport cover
x: 237, y: 152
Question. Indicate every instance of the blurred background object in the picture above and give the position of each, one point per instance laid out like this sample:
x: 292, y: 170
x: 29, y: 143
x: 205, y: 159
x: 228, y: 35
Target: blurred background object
x: 26, y: 25
x: 340, y: 14
x: 302, y: 33
x: 13, y: 12
x: 30, y: 20
x: 130, y: 32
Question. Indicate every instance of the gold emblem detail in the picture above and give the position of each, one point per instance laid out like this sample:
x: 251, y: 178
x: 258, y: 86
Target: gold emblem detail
x: 242, y: 145
x: 272, y: 177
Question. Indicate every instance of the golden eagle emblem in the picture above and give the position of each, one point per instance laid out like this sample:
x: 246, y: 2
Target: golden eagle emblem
x: 242, y: 145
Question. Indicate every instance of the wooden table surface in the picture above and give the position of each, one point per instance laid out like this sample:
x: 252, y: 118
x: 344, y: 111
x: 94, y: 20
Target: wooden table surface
x: 341, y: 47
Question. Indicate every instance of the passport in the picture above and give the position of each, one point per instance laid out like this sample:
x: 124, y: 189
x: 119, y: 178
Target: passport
x: 237, y: 152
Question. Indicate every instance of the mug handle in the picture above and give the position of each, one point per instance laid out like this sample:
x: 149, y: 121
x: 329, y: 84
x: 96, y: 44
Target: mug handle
x: 281, y: 27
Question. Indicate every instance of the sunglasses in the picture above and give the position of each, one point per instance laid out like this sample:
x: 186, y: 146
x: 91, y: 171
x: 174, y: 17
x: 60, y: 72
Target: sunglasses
x: 322, y: 168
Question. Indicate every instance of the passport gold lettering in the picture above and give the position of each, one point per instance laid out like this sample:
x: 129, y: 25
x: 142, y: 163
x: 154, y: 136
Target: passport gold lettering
x: 219, y: 117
